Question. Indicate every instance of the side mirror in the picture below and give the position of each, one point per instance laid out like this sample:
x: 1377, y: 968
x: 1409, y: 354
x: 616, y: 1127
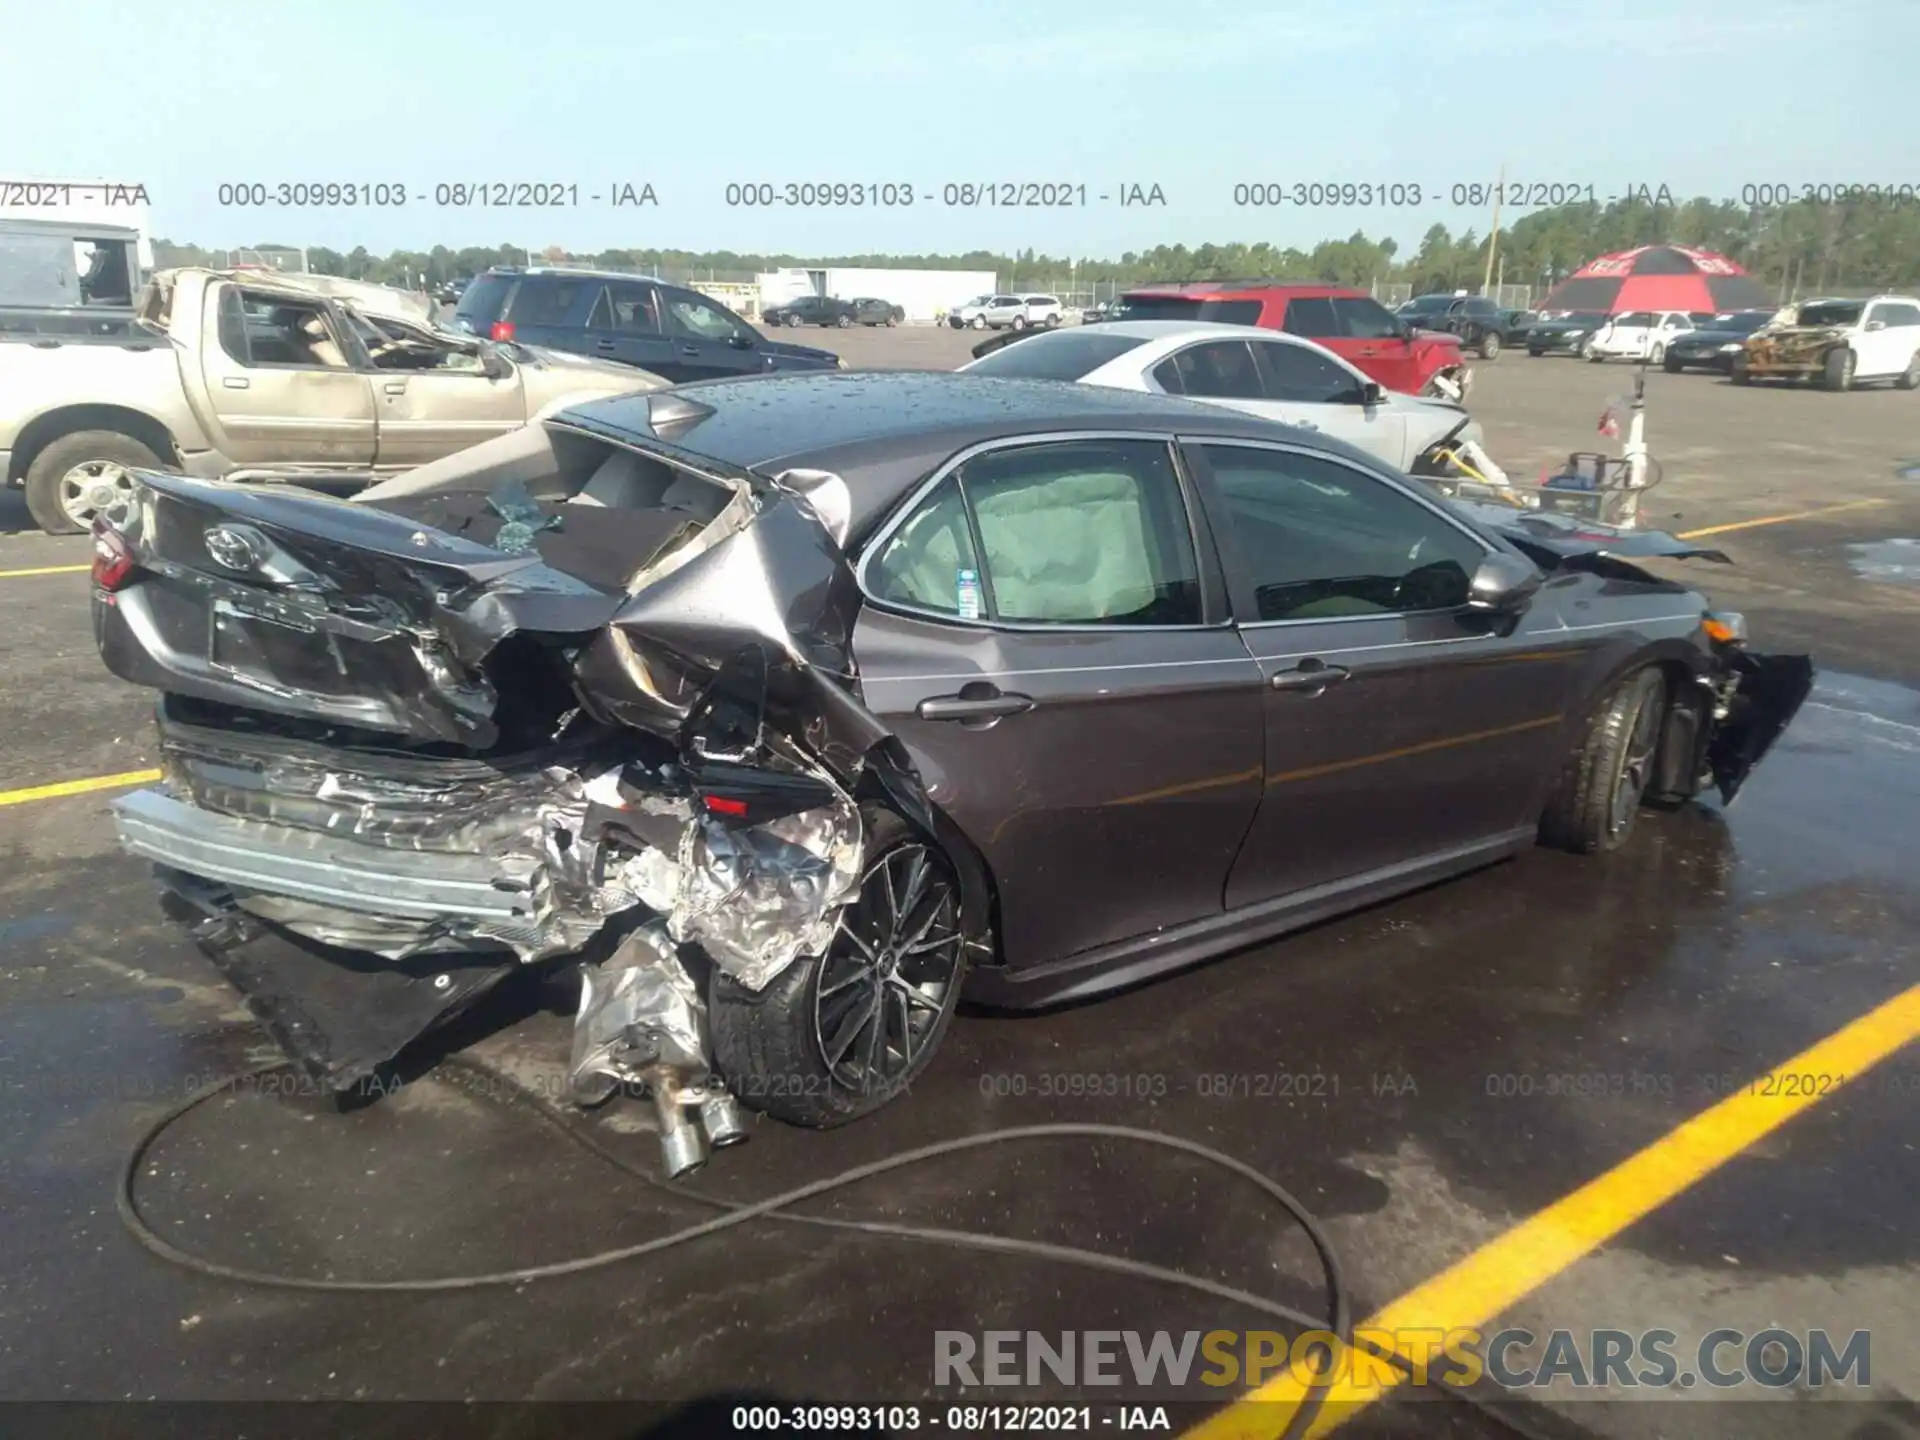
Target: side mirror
x: 494, y: 365
x: 740, y: 342
x: 1503, y: 585
x: 1372, y: 393
x: 1876, y: 325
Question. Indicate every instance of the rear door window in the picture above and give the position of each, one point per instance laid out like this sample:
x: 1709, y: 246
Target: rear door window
x: 1217, y: 370
x: 1082, y: 533
x: 486, y: 298
x: 1297, y: 374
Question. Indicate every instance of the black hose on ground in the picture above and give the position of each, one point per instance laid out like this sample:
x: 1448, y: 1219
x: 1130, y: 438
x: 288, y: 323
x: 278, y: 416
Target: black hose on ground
x: 1339, y: 1321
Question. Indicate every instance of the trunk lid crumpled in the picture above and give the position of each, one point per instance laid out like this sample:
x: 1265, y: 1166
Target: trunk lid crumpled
x: 469, y: 722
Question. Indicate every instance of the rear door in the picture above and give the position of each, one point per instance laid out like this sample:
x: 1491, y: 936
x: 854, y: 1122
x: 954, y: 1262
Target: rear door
x: 1398, y: 730
x: 287, y: 383
x: 625, y: 325
x: 707, y: 340
x: 1046, y: 631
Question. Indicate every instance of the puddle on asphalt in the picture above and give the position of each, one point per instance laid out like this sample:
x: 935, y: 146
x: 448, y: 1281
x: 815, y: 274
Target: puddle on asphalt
x: 1896, y: 561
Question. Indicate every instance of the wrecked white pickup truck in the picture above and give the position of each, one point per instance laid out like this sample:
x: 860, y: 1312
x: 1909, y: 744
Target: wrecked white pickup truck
x: 236, y: 373
x: 791, y: 706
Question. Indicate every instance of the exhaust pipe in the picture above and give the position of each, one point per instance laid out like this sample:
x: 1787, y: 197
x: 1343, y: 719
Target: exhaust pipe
x: 683, y: 1146
x: 723, y: 1118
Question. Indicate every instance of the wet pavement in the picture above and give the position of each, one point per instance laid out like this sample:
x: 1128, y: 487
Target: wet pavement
x: 1423, y: 1075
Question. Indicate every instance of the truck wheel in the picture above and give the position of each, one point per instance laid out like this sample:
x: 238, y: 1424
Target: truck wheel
x: 1600, y: 790
x: 1837, y: 371
x: 83, y: 476
x: 835, y: 1037
x: 1489, y: 345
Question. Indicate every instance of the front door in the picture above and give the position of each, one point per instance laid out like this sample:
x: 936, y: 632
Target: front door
x: 282, y: 382
x: 708, y: 341
x: 1398, y: 728
x: 428, y: 414
x: 1039, y: 635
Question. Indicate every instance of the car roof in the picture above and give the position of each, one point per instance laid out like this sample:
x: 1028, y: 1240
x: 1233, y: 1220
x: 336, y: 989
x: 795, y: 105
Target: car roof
x: 1172, y: 329
x: 882, y: 431
x: 570, y: 272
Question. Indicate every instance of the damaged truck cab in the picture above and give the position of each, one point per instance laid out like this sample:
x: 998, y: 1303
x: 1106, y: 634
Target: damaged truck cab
x: 670, y: 685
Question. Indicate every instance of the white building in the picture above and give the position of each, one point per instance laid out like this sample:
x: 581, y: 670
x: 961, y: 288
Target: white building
x: 923, y: 294
x: 86, y: 202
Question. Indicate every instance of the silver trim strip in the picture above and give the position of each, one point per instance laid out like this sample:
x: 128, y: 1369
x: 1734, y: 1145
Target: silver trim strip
x: 325, y: 869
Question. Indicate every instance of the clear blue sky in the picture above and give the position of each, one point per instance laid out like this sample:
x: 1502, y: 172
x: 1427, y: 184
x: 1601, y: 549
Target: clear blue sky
x: 1191, y: 95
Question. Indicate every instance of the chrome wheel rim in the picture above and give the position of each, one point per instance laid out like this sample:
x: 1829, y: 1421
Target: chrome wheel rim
x: 1636, y: 766
x: 96, y: 489
x: 887, y: 976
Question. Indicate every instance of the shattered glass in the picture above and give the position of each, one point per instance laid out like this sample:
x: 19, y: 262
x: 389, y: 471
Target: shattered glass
x: 521, y: 512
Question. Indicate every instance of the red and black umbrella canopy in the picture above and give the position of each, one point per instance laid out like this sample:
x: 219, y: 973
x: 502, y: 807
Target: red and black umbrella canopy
x: 1658, y: 277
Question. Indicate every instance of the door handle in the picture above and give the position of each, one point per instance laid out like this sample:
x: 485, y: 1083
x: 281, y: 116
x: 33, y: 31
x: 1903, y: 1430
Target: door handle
x: 1370, y: 351
x: 235, y: 382
x: 1310, y: 677
x: 607, y: 345
x: 689, y: 349
x: 986, y: 707
x: 395, y: 387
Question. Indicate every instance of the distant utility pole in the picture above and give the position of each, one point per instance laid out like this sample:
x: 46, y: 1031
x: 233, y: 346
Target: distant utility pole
x: 1493, y: 241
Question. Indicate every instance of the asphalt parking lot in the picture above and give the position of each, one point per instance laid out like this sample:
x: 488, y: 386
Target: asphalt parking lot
x: 1497, y: 1135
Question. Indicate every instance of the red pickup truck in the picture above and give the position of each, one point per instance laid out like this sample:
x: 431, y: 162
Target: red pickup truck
x: 1349, y: 322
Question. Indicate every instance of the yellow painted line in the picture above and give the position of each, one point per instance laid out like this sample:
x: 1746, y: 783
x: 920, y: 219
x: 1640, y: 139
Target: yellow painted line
x: 1780, y: 519
x: 62, y: 788
x: 1425, y: 747
x: 1511, y: 1266
x: 44, y: 570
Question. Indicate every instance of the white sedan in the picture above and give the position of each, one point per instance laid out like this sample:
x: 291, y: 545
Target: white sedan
x: 1642, y: 334
x: 1244, y: 367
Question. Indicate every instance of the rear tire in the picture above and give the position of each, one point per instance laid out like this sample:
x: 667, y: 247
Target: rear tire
x: 1740, y: 374
x: 1910, y: 377
x: 1593, y: 810
x: 1836, y: 372
x: 1535, y: 353
x: 72, y: 473
x: 844, y: 321
x: 772, y: 1048
x: 1489, y: 345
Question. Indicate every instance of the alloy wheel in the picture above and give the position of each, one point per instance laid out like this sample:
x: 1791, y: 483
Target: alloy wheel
x: 96, y: 489
x: 887, y: 977
x: 1636, y: 764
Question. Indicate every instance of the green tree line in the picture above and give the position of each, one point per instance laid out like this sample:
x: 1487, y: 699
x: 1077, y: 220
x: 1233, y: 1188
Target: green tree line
x: 1801, y: 248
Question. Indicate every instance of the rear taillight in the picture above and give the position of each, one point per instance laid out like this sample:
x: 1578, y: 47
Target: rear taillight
x: 502, y: 330
x: 112, y: 557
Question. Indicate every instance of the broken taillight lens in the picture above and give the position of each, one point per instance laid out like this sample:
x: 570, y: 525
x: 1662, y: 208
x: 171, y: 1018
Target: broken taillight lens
x: 502, y: 330
x: 113, y: 561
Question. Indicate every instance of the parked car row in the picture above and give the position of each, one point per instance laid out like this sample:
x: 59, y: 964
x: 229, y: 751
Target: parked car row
x: 1347, y: 321
x: 1268, y: 374
x: 1833, y: 342
x: 1478, y: 321
x: 1007, y: 312
x: 830, y: 310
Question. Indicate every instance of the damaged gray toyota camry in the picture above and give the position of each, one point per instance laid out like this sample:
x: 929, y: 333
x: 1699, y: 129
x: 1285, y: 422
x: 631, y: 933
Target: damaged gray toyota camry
x: 792, y: 709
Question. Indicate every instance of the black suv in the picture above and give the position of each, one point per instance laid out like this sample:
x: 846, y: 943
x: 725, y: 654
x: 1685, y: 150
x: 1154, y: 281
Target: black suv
x: 810, y: 310
x: 676, y: 333
x: 1480, y: 324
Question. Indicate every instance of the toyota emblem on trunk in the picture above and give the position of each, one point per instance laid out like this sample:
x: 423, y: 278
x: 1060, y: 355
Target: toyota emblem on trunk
x: 236, y: 547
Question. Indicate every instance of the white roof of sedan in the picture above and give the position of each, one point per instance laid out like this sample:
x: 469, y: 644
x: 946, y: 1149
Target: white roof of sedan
x: 1167, y: 329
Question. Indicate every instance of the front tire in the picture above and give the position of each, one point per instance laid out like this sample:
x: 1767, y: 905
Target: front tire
x: 844, y: 321
x: 1019, y: 322
x: 1593, y: 810
x: 1672, y: 366
x: 83, y: 477
x: 1535, y: 353
x: 979, y: 322
x: 793, y: 322
x: 835, y: 1037
x: 1489, y: 345
x: 1836, y: 373
x: 1657, y: 353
